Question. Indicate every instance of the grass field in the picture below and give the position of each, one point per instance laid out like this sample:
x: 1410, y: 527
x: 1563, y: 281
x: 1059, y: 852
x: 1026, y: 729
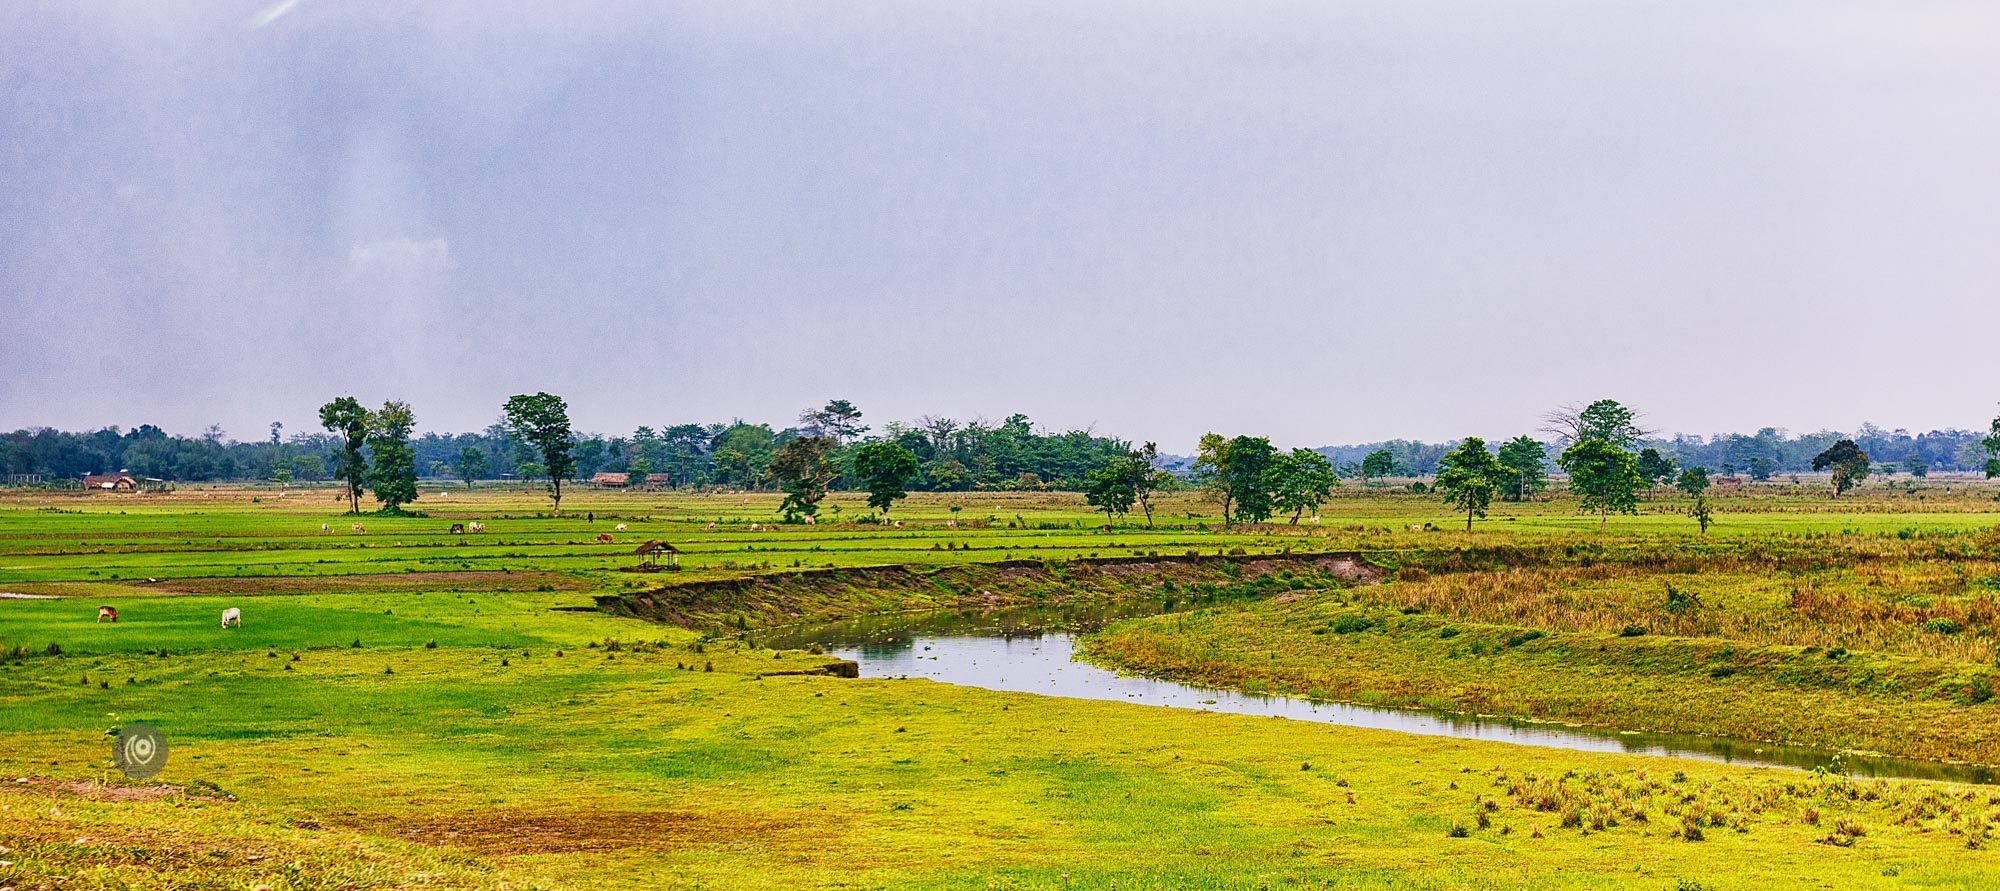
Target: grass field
x: 410, y: 708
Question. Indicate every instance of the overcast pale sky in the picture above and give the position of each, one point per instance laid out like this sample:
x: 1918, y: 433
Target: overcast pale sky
x: 1324, y: 222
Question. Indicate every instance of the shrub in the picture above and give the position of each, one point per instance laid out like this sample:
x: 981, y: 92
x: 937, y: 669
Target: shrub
x: 1447, y: 632
x: 1350, y: 623
x: 1679, y: 601
x: 1526, y: 636
x: 1632, y: 631
x: 1943, y: 625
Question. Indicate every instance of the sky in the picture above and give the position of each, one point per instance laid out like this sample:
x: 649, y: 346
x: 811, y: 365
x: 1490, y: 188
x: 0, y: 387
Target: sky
x: 1322, y: 222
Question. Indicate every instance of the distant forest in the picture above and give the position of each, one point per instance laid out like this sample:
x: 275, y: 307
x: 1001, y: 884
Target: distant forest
x: 1768, y: 451
x: 952, y: 455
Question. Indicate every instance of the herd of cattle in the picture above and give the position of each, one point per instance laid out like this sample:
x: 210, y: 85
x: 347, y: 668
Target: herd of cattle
x: 234, y: 617
x: 230, y: 616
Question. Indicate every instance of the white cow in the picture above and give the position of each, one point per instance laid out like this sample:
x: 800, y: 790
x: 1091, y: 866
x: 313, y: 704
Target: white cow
x: 232, y: 616
x: 324, y: 528
x: 618, y: 528
x: 475, y: 527
x: 711, y: 524
x: 951, y: 523
x: 809, y: 520
x: 899, y: 524
x: 753, y: 527
x: 360, y: 528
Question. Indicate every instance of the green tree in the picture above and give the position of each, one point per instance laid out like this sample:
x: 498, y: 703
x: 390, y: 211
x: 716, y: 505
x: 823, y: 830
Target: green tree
x: 1238, y: 472
x: 803, y: 469
x: 1654, y: 468
x: 1693, y: 480
x: 884, y: 469
x: 1848, y: 463
x: 839, y: 419
x: 309, y: 468
x: 542, y: 421
x: 1761, y: 467
x: 471, y: 464
x: 1468, y: 476
x: 635, y: 473
x: 1527, y: 467
x: 1992, y: 446
x: 1301, y: 480
x: 1113, y: 487
x: 394, y: 475
x: 1700, y: 512
x: 1212, y: 464
x: 1150, y: 478
x: 1917, y: 466
x: 347, y: 419
x: 1377, y: 464
x: 1610, y: 421
x: 1604, y: 477
x: 742, y: 453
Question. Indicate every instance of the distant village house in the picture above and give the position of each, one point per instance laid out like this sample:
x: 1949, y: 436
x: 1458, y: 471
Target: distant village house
x: 618, y: 480
x: 110, y: 482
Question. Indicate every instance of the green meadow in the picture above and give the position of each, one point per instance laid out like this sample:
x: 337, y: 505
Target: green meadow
x: 409, y: 708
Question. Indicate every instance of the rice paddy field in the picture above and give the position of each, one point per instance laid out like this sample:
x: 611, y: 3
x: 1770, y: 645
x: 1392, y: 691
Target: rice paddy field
x: 407, y: 707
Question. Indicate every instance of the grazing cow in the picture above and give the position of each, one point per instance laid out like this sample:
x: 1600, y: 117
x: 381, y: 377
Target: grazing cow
x: 899, y: 524
x: 1315, y: 518
x: 232, y: 616
x: 810, y: 520
x: 360, y: 528
x: 753, y: 527
x: 457, y: 529
x: 711, y: 524
x: 951, y: 523
x: 604, y: 537
x: 325, y: 528
x: 618, y: 528
x: 107, y: 612
x: 477, y: 527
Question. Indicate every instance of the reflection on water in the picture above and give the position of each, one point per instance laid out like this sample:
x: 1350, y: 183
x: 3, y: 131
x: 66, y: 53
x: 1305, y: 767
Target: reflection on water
x: 1031, y: 651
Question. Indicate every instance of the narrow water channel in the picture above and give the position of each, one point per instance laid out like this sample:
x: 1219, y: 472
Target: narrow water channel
x: 1033, y: 651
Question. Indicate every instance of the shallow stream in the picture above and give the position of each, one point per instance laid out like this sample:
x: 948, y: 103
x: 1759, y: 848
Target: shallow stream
x: 1032, y: 650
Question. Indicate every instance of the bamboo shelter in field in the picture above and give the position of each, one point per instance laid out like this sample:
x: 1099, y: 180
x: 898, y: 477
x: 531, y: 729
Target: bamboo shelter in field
x: 652, y: 550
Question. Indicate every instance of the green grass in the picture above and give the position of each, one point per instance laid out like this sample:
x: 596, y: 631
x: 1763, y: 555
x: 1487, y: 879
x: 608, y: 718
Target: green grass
x: 490, y: 761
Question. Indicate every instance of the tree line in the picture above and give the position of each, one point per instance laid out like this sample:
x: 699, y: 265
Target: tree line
x: 1759, y: 456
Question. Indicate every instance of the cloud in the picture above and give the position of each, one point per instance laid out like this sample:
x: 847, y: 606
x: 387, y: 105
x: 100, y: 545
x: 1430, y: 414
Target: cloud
x: 404, y: 254
x: 272, y: 13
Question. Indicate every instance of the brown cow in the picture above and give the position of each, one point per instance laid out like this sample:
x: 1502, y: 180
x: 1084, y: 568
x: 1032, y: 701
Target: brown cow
x: 604, y: 537
x: 107, y: 612
x: 457, y: 529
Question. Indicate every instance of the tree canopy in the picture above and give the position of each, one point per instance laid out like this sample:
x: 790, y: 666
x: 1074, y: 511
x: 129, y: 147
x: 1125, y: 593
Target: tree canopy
x: 1301, y: 480
x: 394, y: 476
x: 1847, y: 461
x: 1468, y: 476
x: 803, y: 471
x: 348, y: 421
x: 884, y: 468
x: 542, y: 421
x: 1527, y: 467
x: 1604, y: 477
